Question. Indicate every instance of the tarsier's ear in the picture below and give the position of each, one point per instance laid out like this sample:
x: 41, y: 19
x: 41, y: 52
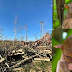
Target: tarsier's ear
x: 59, y: 46
x: 66, y: 6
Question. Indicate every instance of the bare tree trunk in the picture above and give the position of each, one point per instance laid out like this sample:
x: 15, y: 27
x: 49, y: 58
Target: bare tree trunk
x: 26, y: 34
x: 40, y: 31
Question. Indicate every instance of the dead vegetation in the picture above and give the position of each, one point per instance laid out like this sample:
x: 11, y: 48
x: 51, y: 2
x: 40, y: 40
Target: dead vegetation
x: 26, y: 56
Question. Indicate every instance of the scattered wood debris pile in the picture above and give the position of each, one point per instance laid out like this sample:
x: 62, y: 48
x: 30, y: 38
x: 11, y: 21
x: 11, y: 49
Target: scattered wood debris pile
x: 17, y: 54
x: 46, y: 40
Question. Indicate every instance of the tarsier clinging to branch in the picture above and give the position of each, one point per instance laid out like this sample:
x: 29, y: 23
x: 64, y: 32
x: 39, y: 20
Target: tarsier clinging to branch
x: 67, y: 23
x: 65, y: 63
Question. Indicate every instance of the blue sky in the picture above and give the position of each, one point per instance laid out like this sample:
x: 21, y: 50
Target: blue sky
x: 29, y: 12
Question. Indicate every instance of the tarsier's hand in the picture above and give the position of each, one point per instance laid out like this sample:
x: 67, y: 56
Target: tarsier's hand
x: 61, y: 65
x: 70, y: 66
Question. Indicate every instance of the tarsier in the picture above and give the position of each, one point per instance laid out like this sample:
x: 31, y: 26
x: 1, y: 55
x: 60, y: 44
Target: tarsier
x: 62, y: 65
x: 67, y: 23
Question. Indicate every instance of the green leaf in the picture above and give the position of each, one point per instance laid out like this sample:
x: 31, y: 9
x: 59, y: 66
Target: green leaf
x: 57, y: 55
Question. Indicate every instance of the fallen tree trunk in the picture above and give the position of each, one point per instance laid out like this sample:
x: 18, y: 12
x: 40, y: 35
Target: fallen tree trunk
x: 41, y: 59
x: 27, y: 59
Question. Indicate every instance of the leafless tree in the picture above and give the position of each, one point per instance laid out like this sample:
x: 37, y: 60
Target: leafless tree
x: 1, y: 34
x: 26, y: 31
x: 42, y: 28
x: 15, y: 28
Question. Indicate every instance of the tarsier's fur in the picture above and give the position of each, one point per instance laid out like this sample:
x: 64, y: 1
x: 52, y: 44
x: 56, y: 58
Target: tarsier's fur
x: 67, y: 23
x: 62, y: 65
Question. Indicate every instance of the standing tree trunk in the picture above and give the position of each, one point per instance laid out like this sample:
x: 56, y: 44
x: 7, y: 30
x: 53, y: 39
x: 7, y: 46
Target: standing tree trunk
x: 60, y: 10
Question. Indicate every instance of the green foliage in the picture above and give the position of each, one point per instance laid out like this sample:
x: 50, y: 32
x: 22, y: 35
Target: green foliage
x: 57, y: 55
x: 56, y: 23
x: 68, y: 1
x: 55, y: 20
